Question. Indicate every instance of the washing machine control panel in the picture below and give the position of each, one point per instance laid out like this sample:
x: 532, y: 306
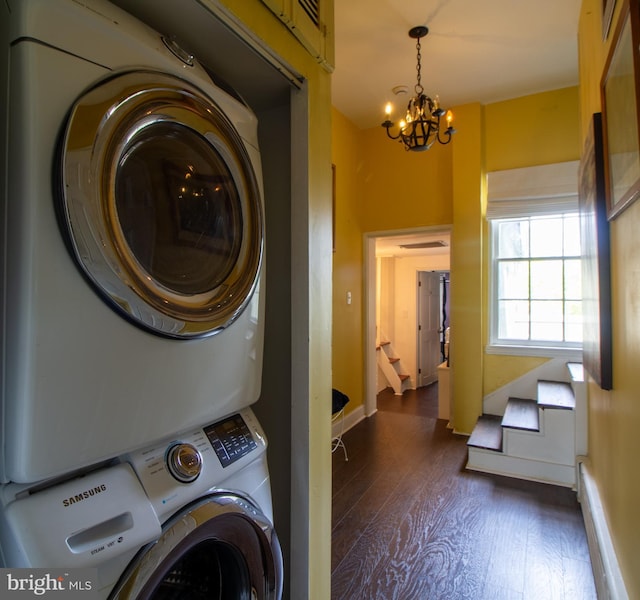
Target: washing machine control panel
x: 231, y: 439
x: 176, y: 471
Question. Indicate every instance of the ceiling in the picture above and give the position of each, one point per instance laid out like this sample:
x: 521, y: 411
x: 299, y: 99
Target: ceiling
x: 476, y: 51
x: 414, y: 244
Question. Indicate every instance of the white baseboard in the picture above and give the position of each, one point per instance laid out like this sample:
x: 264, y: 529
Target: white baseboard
x: 350, y: 420
x: 606, y: 571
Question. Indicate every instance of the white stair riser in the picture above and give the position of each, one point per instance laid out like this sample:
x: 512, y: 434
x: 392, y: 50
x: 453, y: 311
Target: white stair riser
x: 521, y: 468
x: 581, y: 418
x: 553, y: 443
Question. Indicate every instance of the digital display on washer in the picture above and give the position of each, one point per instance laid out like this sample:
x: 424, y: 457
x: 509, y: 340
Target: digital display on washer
x: 231, y: 439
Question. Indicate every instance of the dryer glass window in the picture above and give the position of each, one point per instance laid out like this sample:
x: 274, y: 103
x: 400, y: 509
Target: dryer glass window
x: 160, y: 203
x: 179, y: 208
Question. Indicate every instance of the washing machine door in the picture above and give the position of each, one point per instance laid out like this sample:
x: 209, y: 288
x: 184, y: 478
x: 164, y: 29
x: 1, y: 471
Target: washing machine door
x: 160, y: 205
x: 220, y: 547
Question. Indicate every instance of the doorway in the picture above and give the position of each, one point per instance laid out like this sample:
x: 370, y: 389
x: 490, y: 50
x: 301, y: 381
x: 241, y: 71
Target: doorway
x: 392, y: 261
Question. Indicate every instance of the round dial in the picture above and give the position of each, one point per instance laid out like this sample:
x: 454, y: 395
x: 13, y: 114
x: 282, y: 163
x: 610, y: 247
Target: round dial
x: 184, y: 462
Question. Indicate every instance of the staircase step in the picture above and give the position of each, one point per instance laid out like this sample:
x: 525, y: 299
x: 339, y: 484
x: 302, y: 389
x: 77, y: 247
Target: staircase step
x: 521, y: 414
x: 577, y: 371
x: 487, y: 433
x: 556, y: 394
x: 403, y: 377
x: 394, y: 360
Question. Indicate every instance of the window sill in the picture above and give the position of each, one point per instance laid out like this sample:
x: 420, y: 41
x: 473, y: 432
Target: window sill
x: 570, y: 354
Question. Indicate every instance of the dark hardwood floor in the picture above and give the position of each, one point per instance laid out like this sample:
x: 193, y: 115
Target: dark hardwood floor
x: 409, y: 522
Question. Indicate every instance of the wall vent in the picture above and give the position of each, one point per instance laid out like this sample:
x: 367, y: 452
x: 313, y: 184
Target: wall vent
x: 312, y: 8
x: 420, y: 245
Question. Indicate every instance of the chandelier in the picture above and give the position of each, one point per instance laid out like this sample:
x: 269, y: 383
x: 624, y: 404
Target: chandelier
x: 420, y: 127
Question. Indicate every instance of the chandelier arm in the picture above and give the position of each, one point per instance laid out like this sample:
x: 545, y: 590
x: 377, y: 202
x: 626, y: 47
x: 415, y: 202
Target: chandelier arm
x: 448, y: 133
x: 388, y: 125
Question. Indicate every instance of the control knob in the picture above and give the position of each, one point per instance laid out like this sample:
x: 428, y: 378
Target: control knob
x: 184, y: 462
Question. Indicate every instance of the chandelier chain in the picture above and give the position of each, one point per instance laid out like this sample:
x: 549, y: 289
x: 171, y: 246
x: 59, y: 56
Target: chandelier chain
x: 419, y: 89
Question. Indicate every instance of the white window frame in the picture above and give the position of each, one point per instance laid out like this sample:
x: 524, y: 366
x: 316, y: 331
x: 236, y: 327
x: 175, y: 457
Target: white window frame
x: 520, y: 193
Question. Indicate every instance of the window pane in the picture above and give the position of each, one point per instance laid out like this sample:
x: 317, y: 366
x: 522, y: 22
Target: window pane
x: 546, y: 279
x: 513, y: 280
x: 573, y: 321
x: 546, y: 236
x: 539, y: 292
x: 572, y: 236
x: 546, y: 321
x: 513, y: 239
x: 513, y: 319
x: 572, y: 279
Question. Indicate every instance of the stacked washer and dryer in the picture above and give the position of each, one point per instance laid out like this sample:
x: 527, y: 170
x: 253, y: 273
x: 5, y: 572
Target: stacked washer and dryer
x: 132, y: 308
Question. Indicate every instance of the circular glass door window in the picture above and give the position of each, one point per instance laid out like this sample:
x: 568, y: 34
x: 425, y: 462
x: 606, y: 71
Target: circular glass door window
x: 160, y: 204
x: 220, y: 546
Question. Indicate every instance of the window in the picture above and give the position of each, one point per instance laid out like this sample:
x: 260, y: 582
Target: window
x: 535, y: 261
x: 536, y: 281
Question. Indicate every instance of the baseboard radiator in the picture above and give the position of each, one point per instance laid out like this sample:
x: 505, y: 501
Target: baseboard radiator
x: 606, y: 572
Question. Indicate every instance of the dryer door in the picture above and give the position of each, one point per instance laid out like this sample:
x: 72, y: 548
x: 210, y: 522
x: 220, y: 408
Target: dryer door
x: 160, y: 204
x: 222, y: 546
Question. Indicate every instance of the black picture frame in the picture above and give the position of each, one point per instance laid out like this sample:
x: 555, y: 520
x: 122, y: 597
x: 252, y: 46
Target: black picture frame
x: 596, y: 260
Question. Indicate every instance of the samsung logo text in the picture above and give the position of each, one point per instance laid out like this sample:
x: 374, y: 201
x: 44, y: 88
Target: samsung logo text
x: 84, y: 495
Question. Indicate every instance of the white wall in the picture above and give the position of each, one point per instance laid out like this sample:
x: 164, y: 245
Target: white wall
x: 385, y: 299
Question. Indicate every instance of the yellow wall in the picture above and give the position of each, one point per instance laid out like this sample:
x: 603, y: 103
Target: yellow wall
x: 467, y: 298
x: 312, y: 472
x: 403, y: 189
x: 614, y: 417
x: 348, y: 353
x: 533, y: 130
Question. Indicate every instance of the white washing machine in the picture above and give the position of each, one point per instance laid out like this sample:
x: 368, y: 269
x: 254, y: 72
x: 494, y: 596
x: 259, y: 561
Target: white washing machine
x: 189, y: 517
x: 132, y: 252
